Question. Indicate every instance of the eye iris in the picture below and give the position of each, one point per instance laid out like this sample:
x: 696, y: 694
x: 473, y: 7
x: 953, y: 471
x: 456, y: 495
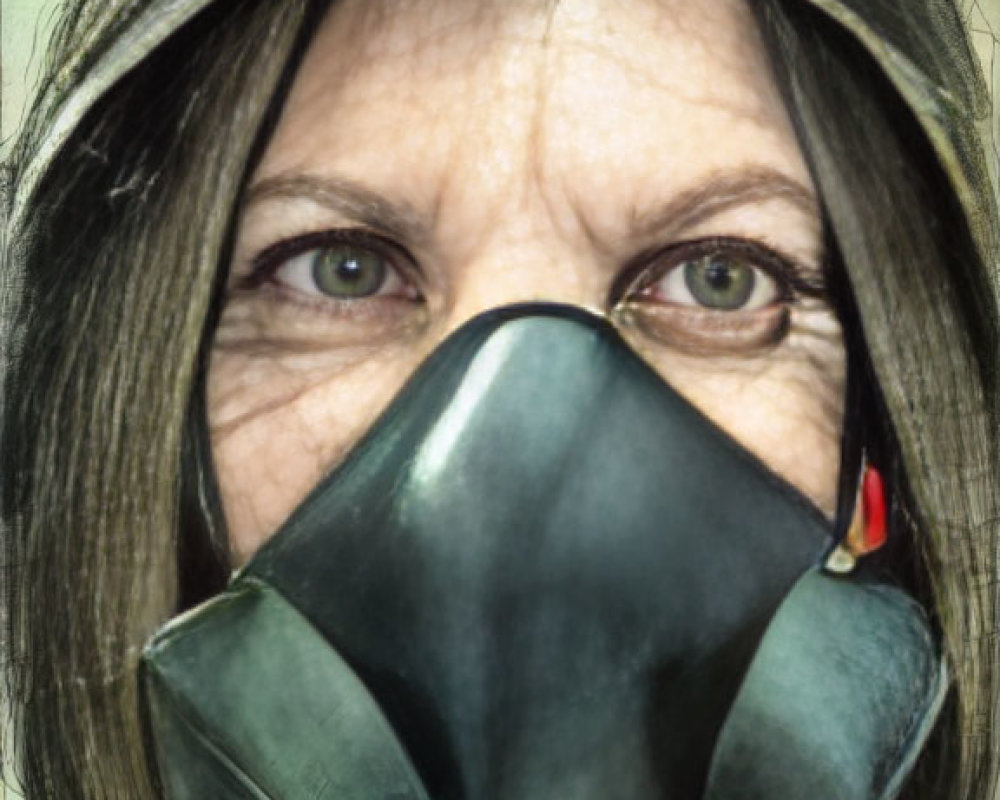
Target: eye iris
x: 719, y: 283
x: 348, y: 271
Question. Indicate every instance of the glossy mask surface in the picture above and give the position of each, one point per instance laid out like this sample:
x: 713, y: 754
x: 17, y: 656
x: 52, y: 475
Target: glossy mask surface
x: 548, y: 568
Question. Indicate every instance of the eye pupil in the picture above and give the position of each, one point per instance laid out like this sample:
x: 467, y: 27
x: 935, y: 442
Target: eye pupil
x: 345, y: 270
x: 719, y: 276
x: 719, y: 283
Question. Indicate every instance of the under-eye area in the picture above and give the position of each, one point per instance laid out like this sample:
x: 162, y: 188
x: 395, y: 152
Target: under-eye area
x: 719, y: 295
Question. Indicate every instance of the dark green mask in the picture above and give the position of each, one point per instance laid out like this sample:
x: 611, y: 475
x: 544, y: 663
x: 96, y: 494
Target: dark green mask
x: 543, y: 574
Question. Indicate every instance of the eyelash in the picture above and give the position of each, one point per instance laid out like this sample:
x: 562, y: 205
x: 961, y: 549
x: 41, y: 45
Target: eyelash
x: 269, y: 260
x: 650, y: 267
x: 639, y: 274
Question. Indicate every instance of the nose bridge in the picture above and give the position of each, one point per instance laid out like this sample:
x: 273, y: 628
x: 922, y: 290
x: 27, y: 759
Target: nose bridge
x: 540, y: 266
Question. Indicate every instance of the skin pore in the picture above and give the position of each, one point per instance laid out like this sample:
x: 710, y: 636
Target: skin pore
x: 438, y: 159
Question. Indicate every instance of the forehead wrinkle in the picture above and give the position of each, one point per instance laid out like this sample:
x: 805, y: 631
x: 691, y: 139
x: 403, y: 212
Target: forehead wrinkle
x: 644, y: 79
x: 719, y: 33
x: 558, y: 49
x: 380, y: 30
x: 677, y: 209
x: 535, y: 153
x: 569, y: 52
x: 505, y: 145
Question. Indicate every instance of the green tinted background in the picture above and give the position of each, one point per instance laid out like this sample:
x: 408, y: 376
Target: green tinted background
x: 25, y: 26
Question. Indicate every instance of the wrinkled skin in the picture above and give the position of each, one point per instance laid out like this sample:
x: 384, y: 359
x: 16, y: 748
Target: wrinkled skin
x: 594, y: 153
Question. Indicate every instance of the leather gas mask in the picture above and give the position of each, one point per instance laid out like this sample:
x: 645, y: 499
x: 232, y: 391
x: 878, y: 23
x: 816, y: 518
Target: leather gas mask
x: 544, y: 575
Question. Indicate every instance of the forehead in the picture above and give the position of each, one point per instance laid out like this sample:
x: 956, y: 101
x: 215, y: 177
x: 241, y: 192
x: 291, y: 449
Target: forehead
x: 393, y: 30
x: 598, y: 98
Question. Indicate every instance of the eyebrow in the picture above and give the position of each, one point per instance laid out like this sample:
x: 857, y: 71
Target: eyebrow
x: 344, y: 196
x: 719, y: 192
x: 713, y: 195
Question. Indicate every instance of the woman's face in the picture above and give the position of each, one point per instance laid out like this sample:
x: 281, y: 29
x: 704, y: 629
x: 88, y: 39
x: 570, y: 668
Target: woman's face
x: 438, y: 159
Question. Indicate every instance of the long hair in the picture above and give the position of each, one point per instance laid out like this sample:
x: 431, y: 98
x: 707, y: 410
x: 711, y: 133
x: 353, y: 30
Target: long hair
x: 109, y: 517
x: 118, y: 270
x: 928, y: 315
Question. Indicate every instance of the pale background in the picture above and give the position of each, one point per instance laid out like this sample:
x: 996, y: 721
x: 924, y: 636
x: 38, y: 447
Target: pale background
x: 24, y: 26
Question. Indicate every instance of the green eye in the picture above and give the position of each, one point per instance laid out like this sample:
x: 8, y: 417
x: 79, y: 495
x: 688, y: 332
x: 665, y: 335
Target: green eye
x: 347, y: 270
x: 720, y: 283
x: 345, y: 266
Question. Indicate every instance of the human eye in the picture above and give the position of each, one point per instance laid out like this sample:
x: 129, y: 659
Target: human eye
x: 332, y: 268
x: 718, y: 295
x: 717, y: 281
